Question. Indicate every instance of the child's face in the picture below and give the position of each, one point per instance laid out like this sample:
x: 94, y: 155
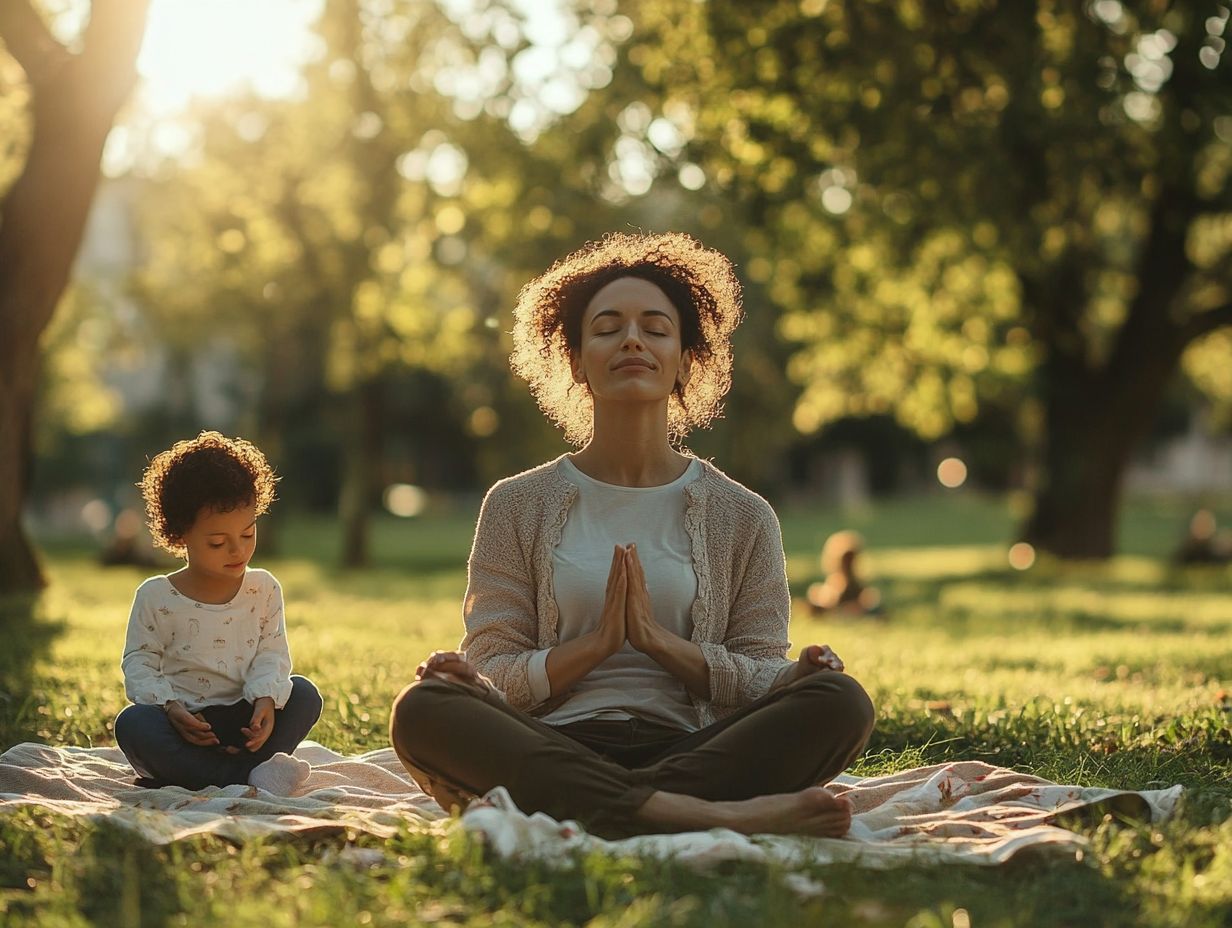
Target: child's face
x: 220, y: 544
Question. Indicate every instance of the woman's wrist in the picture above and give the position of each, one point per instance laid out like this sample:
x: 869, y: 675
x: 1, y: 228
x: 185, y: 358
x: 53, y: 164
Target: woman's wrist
x: 656, y: 641
x: 680, y: 657
x: 601, y: 644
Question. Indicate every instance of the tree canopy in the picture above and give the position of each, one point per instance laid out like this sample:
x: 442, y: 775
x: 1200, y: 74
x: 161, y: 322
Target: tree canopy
x: 979, y: 205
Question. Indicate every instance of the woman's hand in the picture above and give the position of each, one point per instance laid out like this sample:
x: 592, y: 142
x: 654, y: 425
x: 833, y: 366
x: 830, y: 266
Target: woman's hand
x: 454, y: 667
x: 613, y: 622
x: 815, y: 658
x: 570, y: 661
x: 642, y: 630
x: 193, y: 728
x: 678, y: 656
x: 262, y: 724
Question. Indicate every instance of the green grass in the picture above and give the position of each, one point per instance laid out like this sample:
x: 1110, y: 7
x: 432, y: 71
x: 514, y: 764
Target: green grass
x: 1105, y: 676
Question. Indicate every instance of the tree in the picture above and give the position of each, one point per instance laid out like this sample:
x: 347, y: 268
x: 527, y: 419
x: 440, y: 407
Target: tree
x: 285, y: 238
x: 973, y: 206
x: 73, y: 101
x: 380, y: 223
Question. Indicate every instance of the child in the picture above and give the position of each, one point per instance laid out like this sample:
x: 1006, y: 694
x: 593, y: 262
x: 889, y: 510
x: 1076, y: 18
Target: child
x: 843, y: 590
x: 205, y: 658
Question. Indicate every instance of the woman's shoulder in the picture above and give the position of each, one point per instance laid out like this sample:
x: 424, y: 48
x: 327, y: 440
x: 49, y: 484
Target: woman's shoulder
x: 539, y: 483
x: 725, y: 490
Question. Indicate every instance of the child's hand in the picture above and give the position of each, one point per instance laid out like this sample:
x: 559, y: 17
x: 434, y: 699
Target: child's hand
x: 192, y: 728
x: 262, y: 724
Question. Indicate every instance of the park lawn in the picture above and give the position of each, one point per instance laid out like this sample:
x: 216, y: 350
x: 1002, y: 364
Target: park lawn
x: 1108, y: 676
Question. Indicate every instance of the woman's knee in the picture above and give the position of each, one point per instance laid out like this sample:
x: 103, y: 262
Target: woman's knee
x: 415, y: 710
x: 844, y: 698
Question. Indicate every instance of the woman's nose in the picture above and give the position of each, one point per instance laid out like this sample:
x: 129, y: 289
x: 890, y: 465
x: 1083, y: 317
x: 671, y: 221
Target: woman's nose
x: 633, y: 336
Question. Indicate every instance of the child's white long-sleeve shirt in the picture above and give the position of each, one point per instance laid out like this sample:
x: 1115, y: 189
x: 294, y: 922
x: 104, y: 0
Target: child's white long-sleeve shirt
x: 207, y: 654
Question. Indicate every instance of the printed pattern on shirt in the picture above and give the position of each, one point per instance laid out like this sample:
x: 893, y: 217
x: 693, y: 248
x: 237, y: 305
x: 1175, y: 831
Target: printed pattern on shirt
x: 205, y: 654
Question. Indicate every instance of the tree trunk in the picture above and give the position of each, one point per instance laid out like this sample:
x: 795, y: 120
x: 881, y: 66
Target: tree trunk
x: 1081, y: 473
x: 20, y: 571
x: 19, y: 568
x: 74, y: 102
x: 1093, y: 422
x: 28, y: 296
x: 362, y: 457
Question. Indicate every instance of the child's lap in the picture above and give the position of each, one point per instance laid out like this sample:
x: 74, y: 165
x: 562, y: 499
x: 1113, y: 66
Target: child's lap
x: 227, y: 722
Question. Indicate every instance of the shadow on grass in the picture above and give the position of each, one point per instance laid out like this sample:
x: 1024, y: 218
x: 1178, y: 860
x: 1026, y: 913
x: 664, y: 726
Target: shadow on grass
x: 992, y: 601
x: 1035, y: 886
x: 27, y: 639
x: 71, y: 871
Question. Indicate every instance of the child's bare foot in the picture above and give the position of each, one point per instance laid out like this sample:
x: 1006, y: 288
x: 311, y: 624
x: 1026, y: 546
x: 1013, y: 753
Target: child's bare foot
x: 813, y: 811
x: 281, y: 775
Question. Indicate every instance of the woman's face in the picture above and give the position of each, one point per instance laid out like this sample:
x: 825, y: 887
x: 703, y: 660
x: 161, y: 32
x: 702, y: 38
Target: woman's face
x: 630, y: 343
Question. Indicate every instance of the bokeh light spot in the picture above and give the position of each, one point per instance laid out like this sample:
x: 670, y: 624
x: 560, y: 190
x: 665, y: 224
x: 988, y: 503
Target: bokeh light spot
x: 405, y: 500
x: 96, y: 515
x: 1021, y: 556
x: 836, y: 200
x: 483, y: 422
x: 691, y: 177
x: 952, y: 473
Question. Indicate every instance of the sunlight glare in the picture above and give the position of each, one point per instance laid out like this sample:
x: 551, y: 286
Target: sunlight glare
x: 195, y: 49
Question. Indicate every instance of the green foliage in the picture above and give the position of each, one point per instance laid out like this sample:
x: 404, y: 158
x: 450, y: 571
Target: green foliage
x: 1206, y: 363
x: 942, y: 195
x: 376, y: 216
x: 14, y: 120
x: 1100, y: 676
x: 383, y: 222
x: 294, y: 231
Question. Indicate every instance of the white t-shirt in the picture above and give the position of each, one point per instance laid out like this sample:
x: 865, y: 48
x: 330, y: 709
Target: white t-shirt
x: 629, y: 683
x: 207, y: 654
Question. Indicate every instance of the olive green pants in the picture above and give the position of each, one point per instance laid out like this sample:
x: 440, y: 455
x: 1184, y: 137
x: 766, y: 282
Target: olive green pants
x: 459, y: 742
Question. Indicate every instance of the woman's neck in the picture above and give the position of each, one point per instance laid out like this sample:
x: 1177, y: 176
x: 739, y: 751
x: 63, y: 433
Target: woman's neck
x: 630, y: 449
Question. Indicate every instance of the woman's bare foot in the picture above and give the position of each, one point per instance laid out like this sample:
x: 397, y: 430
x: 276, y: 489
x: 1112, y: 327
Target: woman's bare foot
x: 813, y: 811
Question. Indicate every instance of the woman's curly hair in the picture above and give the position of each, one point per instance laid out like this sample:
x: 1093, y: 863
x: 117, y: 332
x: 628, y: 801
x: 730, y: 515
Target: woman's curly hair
x: 211, y: 471
x: 547, y: 328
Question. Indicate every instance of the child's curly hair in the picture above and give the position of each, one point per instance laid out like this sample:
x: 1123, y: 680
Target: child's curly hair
x: 207, y: 471
x: 547, y: 329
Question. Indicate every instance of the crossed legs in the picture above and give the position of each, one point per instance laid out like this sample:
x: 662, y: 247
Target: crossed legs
x: 755, y: 771
x: 158, y: 753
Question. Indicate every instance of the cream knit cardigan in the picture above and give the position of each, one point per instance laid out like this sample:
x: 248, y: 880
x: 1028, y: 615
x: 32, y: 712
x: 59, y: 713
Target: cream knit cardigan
x: 739, y: 616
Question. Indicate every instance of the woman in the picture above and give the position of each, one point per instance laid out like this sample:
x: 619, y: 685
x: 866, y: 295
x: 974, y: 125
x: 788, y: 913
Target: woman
x: 627, y: 605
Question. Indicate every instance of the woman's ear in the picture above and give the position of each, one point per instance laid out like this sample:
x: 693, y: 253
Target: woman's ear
x: 579, y: 373
x: 686, y: 365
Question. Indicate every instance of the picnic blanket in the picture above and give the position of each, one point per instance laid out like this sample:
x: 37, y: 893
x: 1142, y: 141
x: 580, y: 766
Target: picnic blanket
x: 964, y: 812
